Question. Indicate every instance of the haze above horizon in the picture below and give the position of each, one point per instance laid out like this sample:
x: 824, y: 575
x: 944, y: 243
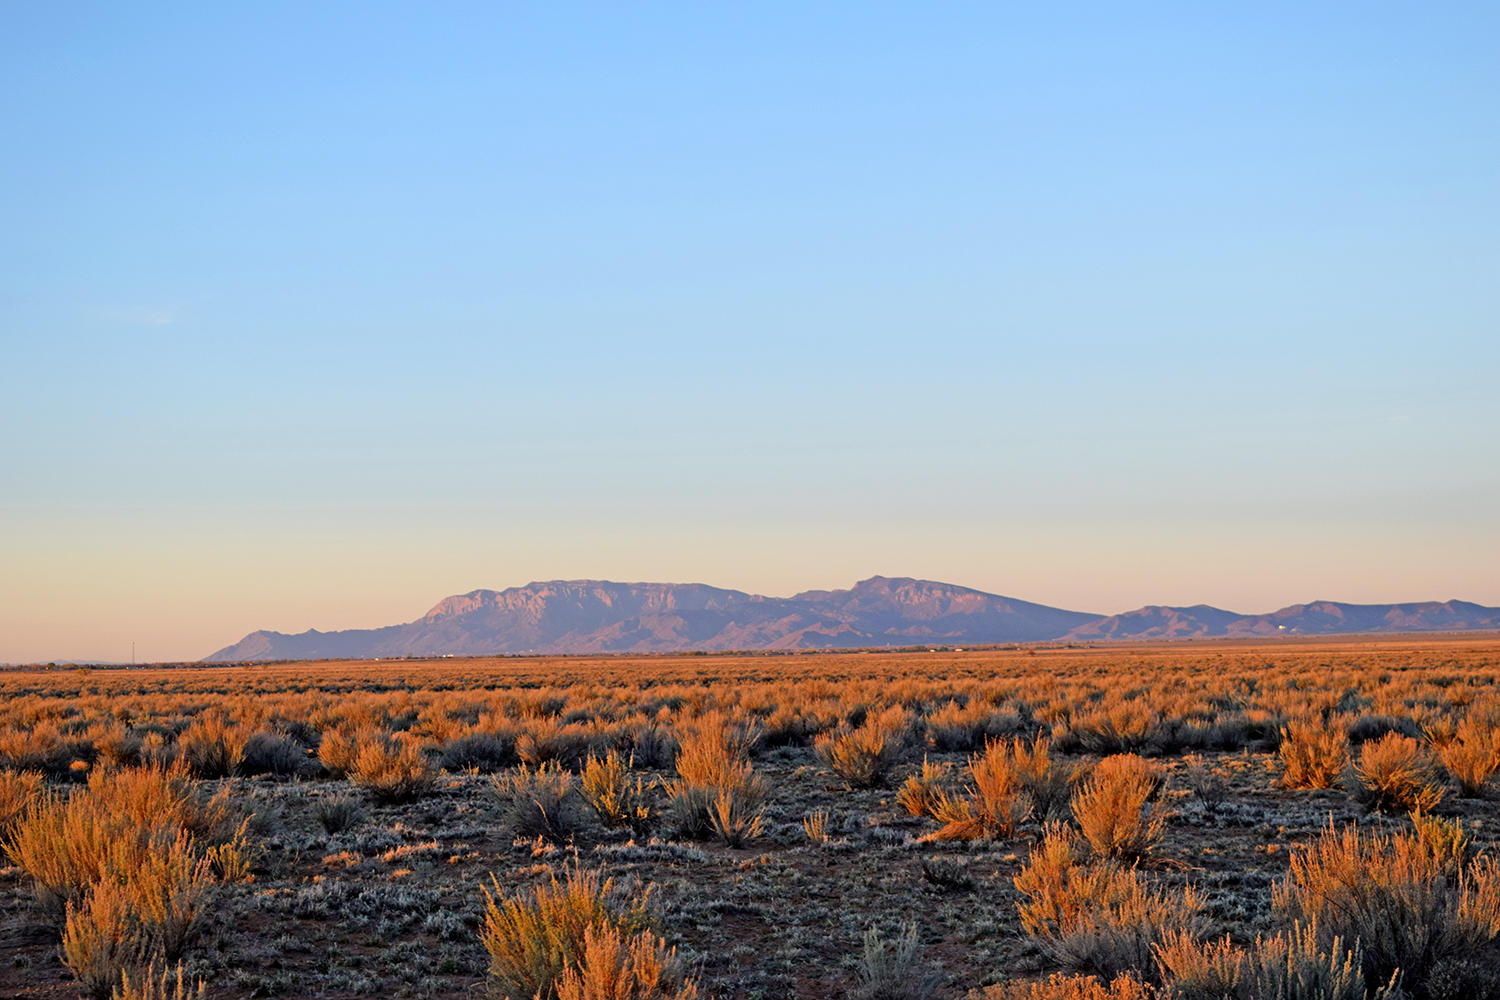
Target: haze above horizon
x: 311, y: 319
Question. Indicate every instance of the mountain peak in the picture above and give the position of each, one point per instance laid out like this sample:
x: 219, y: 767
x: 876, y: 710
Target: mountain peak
x: 600, y: 616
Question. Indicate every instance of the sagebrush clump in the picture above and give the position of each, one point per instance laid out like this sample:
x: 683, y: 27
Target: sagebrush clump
x: 1116, y: 808
x: 1314, y: 753
x: 567, y: 939
x: 1413, y: 910
x: 1395, y: 774
x: 1096, y: 915
x: 618, y: 798
x: 993, y: 804
x: 717, y: 789
x: 864, y: 755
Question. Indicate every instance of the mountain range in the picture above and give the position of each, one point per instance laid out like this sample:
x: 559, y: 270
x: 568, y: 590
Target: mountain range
x: 597, y: 616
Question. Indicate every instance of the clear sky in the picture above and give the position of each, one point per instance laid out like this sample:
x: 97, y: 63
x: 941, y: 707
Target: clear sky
x: 314, y: 314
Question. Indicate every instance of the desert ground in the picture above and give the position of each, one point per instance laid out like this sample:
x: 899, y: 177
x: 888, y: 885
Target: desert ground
x: 944, y: 823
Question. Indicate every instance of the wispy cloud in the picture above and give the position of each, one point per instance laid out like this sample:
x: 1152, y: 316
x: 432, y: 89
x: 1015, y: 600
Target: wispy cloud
x: 150, y: 315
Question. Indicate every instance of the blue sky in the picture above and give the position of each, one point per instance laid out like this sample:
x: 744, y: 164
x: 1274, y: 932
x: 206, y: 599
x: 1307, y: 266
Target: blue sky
x: 315, y: 314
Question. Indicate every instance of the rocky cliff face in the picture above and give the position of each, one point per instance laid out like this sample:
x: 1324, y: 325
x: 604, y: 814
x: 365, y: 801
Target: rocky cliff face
x: 597, y: 616
x: 586, y: 616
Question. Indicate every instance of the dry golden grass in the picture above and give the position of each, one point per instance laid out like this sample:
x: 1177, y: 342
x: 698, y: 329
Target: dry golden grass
x: 151, y: 985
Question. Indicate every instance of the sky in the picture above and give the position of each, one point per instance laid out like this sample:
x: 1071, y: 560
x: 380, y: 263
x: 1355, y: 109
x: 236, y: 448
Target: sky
x: 313, y: 314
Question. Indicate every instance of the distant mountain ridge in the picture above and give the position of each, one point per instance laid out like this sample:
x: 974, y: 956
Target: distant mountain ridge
x: 598, y: 616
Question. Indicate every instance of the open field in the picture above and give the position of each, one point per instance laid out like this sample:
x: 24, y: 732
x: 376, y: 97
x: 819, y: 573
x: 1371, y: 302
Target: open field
x: 775, y: 807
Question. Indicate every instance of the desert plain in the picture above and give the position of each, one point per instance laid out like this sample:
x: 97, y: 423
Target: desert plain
x: 810, y: 825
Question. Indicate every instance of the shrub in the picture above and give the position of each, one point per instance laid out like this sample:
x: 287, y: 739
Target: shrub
x: 714, y: 750
x: 948, y: 874
x: 1207, y: 786
x: 43, y: 747
x: 147, y: 985
x: 1373, y: 727
x: 995, y: 804
x: 1045, y: 783
x: 1399, y: 898
x: 543, y: 741
x: 18, y: 791
x: 1472, y: 756
x: 620, y: 966
x: 735, y: 814
x: 1097, y: 917
x: 102, y: 937
x: 815, y: 826
x: 124, y: 825
x: 121, y: 747
x: 618, y: 800
x: 271, y: 752
x: 1394, y: 774
x: 1282, y: 967
x: 212, y: 746
x: 892, y: 970
x: 168, y: 891
x: 717, y: 789
x: 157, y: 752
x: 338, y: 748
x: 149, y: 797
x: 392, y: 770
x: 864, y: 756
x: 64, y: 848
x: 338, y: 813
x: 921, y: 792
x: 1122, y: 726
x: 1115, y: 809
x: 1446, y: 842
x: 652, y: 746
x: 480, y: 751
x: 1296, y: 966
x: 1197, y: 970
x: 689, y: 810
x: 534, y: 938
x: 1313, y: 753
x: 968, y: 727
x: 538, y: 802
x: 232, y: 860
